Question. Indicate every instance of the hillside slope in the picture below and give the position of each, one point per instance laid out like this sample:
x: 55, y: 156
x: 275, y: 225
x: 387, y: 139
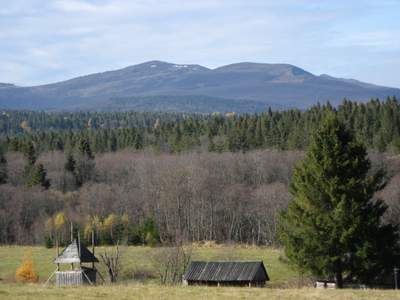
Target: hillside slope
x: 159, y: 86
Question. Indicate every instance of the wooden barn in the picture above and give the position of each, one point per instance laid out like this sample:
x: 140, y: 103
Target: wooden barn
x: 75, y: 255
x: 238, y: 273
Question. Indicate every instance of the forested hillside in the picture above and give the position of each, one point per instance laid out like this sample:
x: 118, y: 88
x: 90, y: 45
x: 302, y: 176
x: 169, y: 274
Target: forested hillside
x: 376, y: 124
x: 146, y: 178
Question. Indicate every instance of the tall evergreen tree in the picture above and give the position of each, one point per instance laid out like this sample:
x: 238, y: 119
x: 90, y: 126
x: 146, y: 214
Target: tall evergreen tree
x: 333, y: 226
x: 30, y: 153
x: 84, y: 148
x: 38, y: 176
x: 70, y: 163
x: 85, y: 165
x: 3, y: 168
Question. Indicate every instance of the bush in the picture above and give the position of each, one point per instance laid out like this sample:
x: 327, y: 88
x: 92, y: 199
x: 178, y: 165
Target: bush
x: 171, y: 262
x: 26, y: 273
x: 150, y: 233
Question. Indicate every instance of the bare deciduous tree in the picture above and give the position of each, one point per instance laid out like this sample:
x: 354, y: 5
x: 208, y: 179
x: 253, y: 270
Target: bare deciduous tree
x: 112, y: 262
x: 171, y: 263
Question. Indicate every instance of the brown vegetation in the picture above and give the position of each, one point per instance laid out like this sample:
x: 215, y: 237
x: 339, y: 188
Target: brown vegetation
x: 194, y: 196
x: 26, y: 272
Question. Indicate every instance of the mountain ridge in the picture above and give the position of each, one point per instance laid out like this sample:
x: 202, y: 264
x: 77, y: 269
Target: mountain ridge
x: 260, y: 85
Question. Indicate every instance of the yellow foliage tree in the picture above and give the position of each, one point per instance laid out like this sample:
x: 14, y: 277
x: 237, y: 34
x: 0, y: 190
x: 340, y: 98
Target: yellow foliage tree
x: 59, y: 221
x: 49, y: 226
x: 26, y: 272
x: 109, y: 223
x: 125, y: 220
x: 93, y: 224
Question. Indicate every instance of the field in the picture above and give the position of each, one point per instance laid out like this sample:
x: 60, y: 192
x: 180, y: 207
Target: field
x: 139, y: 281
x: 152, y: 291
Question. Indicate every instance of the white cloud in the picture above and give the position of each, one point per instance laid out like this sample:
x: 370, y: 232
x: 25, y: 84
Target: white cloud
x: 47, y: 40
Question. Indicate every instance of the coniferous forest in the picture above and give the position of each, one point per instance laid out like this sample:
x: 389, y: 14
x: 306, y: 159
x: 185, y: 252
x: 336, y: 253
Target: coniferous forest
x: 149, y: 178
x: 376, y: 124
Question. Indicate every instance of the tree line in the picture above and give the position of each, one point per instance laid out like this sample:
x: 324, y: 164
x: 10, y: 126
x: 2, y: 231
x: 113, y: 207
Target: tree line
x: 376, y: 124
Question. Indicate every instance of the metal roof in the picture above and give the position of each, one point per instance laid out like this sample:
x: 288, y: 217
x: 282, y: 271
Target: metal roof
x: 226, y: 271
x: 75, y: 254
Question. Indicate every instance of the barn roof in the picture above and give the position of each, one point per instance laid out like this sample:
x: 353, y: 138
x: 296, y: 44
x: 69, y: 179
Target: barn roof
x: 75, y: 253
x: 226, y: 271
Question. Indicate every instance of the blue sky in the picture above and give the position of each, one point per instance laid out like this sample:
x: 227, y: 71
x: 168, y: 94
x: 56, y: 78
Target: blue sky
x: 43, y: 41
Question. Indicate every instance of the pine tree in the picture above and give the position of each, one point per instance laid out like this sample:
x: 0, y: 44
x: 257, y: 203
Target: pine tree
x: 259, y: 137
x: 333, y: 228
x: 38, y: 176
x: 30, y: 153
x: 139, y: 141
x: 84, y: 148
x: 3, y: 168
x: 70, y: 164
x: 85, y: 165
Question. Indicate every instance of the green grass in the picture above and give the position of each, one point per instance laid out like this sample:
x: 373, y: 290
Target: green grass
x: 139, y: 259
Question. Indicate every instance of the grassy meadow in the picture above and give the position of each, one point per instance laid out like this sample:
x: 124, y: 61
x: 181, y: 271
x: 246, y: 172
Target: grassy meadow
x: 139, y: 265
x: 153, y: 291
x: 139, y: 280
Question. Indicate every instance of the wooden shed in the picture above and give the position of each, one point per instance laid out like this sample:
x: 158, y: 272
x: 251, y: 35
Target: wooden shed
x: 74, y: 255
x: 238, y: 273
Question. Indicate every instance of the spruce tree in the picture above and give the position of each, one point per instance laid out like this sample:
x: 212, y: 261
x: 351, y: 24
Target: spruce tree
x: 84, y: 148
x: 30, y: 153
x: 70, y: 164
x: 139, y: 141
x: 38, y: 176
x: 3, y: 168
x: 333, y: 226
x: 85, y: 165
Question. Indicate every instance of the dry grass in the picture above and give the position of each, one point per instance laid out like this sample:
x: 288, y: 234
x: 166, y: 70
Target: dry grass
x: 152, y: 291
x: 137, y: 260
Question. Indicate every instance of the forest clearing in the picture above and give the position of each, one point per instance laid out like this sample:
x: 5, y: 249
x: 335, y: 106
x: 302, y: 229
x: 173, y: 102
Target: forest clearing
x: 139, y: 279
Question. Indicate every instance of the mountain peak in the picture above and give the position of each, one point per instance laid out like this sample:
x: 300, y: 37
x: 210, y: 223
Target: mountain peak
x: 168, y: 86
x: 157, y: 65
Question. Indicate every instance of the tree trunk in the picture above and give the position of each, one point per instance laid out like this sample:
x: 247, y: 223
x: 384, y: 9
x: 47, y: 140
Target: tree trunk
x: 339, y: 277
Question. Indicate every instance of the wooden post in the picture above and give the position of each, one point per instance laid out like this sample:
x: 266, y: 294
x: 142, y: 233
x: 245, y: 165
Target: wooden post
x: 79, y: 244
x: 72, y: 232
x: 57, y: 252
x: 93, y: 247
x: 79, y: 249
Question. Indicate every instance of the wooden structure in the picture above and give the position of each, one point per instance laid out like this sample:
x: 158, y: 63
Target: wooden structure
x: 238, y: 273
x: 324, y: 284
x: 75, y: 255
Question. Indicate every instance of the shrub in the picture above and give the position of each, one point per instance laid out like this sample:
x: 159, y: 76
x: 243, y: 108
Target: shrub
x: 26, y: 273
x: 171, y: 262
x: 48, y: 242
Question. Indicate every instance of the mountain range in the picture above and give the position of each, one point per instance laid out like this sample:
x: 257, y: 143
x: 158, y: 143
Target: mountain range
x: 162, y: 86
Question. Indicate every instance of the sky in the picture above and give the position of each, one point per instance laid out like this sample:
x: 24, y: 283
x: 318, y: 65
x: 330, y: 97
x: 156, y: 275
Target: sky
x: 45, y: 41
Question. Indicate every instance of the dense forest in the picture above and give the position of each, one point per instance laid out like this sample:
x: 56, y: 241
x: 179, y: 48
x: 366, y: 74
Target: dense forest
x: 376, y: 124
x: 148, y: 178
